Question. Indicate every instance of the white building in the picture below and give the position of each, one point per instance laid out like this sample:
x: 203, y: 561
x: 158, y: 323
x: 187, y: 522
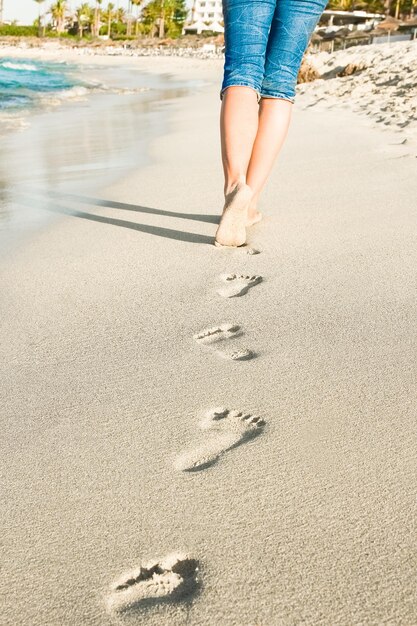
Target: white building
x: 361, y: 19
x: 206, y: 15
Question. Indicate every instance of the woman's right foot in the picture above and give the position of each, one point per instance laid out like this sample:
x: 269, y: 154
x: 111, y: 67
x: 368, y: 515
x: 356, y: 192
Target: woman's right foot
x: 253, y: 217
x: 232, y: 228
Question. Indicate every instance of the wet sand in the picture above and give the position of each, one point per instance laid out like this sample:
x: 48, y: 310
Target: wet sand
x: 81, y: 142
x: 116, y: 384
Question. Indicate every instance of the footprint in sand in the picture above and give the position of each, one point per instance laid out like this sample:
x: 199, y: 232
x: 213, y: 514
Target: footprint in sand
x: 221, y: 333
x: 170, y: 578
x: 228, y: 429
x: 218, y: 333
x: 244, y: 250
x: 237, y: 284
x: 236, y: 355
x: 251, y: 251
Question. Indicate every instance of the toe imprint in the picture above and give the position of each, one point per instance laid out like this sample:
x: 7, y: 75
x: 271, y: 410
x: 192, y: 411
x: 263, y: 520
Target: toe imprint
x: 218, y: 333
x: 224, y: 419
x: 169, y: 578
x: 228, y: 430
x: 227, y: 278
x: 238, y: 284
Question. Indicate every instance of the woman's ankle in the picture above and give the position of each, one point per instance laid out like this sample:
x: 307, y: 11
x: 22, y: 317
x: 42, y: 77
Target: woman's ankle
x: 233, y: 184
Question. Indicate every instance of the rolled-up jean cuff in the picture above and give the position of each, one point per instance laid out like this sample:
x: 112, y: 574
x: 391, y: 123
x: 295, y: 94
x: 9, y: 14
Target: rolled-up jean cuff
x: 258, y: 95
x: 280, y: 96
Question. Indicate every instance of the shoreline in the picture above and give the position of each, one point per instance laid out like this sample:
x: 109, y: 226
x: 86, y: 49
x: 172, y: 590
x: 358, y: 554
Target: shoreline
x: 377, y: 81
x: 153, y: 64
x: 122, y: 96
x: 187, y: 70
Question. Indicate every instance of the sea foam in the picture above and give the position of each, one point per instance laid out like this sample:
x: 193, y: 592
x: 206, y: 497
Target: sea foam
x: 20, y: 66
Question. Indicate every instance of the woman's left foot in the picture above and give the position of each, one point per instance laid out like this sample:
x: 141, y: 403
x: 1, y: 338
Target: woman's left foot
x: 232, y: 228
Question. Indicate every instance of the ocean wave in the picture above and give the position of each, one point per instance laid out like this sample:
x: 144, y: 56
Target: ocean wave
x: 28, y: 87
x: 23, y: 67
x: 78, y: 92
x: 13, y: 101
x: 126, y: 91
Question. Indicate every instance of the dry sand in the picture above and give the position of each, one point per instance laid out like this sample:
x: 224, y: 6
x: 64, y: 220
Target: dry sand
x: 383, y: 86
x: 114, y: 383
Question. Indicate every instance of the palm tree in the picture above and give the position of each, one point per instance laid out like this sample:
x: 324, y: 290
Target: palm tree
x: 41, y: 27
x: 1, y: 11
x: 162, y: 17
x: 162, y: 20
x: 137, y: 3
x: 129, y: 19
x: 108, y: 17
x: 341, y: 5
x: 84, y: 15
x: 119, y: 16
x: 96, y: 26
x: 57, y: 11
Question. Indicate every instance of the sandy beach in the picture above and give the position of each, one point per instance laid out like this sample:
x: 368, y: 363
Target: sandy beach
x: 122, y: 370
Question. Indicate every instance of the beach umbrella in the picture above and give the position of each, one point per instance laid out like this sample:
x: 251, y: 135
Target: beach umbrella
x: 316, y: 38
x: 216, y: 27
x: 390, y: 24
x: 358, y: 34
x: 329, y: 36
x: 343, y: 32
x: 198, y: 26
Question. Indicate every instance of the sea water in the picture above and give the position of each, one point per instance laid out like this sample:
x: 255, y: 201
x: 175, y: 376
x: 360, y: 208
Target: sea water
x: 26, y: 84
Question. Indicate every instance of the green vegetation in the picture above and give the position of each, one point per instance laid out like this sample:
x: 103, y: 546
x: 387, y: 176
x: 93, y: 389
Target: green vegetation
x: 12, y: 30
x: 157, y: 18
x: 164, y: 17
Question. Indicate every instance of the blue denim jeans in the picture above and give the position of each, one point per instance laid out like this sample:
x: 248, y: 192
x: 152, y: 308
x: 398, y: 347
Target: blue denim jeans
x: 265, y: 41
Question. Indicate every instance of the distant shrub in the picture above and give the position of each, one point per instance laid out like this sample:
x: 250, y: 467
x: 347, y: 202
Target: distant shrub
x: 12, y: 30
x: 55, y: 35
x: 118, y: 29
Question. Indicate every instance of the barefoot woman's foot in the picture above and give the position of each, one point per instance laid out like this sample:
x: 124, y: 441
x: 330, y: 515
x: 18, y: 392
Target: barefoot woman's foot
x: 232, y: 228
x: 253, y: 217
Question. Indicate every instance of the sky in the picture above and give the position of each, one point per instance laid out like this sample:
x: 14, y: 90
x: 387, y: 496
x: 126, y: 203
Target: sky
x: 26, y: 11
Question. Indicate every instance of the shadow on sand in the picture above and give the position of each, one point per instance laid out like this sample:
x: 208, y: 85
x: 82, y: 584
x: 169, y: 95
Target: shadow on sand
x: 48, y: 200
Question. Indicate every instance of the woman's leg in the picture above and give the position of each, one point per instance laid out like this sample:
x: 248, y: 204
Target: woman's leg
x: 291, y: 29
x: 247, y: 24
x: 238, y: 128
x: 252, y: 137
x: 274, y: 120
